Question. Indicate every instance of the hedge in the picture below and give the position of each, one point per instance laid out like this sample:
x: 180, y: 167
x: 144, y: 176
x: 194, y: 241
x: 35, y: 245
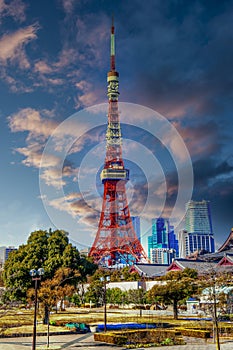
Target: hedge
x: 142, y: 336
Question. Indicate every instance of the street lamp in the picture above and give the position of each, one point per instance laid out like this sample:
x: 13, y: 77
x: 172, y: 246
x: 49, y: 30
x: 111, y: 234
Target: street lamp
x: 36, y: 276
x: 215, y: 315
x: 105, y: 280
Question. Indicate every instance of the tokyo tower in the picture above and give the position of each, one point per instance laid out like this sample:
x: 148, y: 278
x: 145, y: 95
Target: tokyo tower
x: 116, y: 240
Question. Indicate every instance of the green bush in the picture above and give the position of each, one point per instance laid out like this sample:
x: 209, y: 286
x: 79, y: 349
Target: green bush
x: 167, y: 341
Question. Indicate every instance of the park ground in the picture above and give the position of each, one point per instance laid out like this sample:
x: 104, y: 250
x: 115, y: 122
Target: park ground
x: 86, y: 341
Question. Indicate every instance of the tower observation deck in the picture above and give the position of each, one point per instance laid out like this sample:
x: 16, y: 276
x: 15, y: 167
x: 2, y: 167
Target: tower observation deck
x: 116, y: 240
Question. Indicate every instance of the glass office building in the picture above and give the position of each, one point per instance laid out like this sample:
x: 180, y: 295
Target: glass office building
x: 198, y: 224
x: 162, y: 244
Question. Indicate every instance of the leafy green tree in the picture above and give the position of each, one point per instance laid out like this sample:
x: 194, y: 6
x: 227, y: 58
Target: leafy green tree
x: 50, y: 250
x: 114, y: 296
x: 126, y: 274
x: 95, y: 293
x: 177, y: 285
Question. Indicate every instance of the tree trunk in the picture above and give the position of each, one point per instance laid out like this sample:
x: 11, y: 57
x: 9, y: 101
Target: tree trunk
x: 46, y: 315
x: 62, y: 304
x: 175, y: 309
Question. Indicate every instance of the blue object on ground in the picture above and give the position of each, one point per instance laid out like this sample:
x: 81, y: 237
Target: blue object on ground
x: 119, y: 326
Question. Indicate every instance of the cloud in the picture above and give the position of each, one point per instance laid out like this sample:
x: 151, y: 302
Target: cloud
x: 202, y: 139
x: 39, y: 129
x: 12, y: 46
x: 56, y: 178
x: 68, y: 6
x: 77, y: 207
x: 39, y: 125
x: 32, y: 154
x: 42, y: 67
x: 31, y: 120
x: 14, y: 9
x: 208, y: 172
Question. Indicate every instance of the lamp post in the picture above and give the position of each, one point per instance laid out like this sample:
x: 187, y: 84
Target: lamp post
x: 215, y: 316
x: 36, y: 275
x: 105, y: 280
x: 141, y: 289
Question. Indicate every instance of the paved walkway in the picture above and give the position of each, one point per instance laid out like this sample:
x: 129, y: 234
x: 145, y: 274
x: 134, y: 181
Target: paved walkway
x: 86, y: 341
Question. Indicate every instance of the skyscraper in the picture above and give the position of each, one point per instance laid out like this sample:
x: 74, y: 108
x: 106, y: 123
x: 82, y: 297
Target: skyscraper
x: 198, y: 218
x: 162, y: 244
x: 198, y: 225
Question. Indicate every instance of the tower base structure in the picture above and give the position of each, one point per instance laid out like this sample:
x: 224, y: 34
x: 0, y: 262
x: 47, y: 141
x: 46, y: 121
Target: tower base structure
x: 116, y: 241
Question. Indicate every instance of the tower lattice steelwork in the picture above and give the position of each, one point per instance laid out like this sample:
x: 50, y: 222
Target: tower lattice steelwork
x: 115, y: 238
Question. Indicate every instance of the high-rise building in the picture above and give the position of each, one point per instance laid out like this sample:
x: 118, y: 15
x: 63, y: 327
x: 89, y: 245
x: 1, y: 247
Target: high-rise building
x: 198, y: 225
x: 160, y: 229
x: 173, y: 243
x: 4, y: 253
x: 198, y: 218
x: 161, y: 255
x: 199, y: 243
x: 162, y: 244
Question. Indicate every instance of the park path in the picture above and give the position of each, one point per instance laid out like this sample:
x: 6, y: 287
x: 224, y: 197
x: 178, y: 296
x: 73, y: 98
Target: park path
x: 86, y: 341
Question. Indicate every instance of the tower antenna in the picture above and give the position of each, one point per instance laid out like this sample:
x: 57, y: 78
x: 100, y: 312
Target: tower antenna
x: 112, y: 63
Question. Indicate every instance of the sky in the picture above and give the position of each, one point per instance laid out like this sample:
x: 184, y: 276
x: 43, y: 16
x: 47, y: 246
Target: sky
x: 176, y: 97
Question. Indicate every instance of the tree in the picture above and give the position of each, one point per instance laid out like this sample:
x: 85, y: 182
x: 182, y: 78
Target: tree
x: 95, y: 293
x: 50, y: 250
x: 53, y: 291
x: 216, y: 296
x: 176, y: 286
x: 136, y: 296
x: 114, y: 295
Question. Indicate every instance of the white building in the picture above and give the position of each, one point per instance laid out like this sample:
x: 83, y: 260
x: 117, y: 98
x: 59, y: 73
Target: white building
x: 181, y: 236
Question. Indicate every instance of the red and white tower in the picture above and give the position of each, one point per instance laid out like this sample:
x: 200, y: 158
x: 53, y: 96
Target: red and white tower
x: 115, y: 238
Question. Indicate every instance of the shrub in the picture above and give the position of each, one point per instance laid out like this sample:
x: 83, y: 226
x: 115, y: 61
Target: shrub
x: 111, y: 338
x: 167, y: 341
x: 141, y: 336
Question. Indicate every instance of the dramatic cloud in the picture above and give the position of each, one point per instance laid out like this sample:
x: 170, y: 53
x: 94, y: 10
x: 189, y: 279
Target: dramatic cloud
x: 56, y: 178
x: 77, y: 207
x: 30, y: 120
x: 202, y: 140
x: 39, y: 128
x: 12, y: 45
x: 174, y: 57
